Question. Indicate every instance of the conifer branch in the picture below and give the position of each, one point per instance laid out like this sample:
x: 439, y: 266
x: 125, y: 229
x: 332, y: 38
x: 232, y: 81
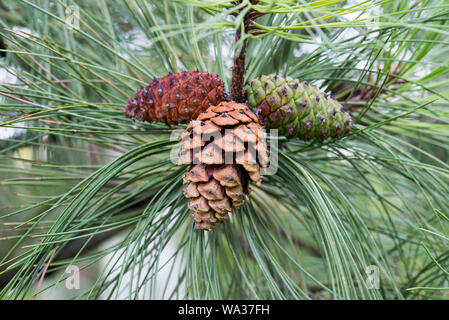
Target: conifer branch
x: 238, y: 70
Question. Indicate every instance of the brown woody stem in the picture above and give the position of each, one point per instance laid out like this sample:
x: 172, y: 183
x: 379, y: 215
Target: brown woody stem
x: 238, y: 70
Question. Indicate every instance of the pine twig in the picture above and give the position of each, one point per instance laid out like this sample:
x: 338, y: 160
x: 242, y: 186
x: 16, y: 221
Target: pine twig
x: 365, y: 93
x: 239, y: 68
x: 238, y: 71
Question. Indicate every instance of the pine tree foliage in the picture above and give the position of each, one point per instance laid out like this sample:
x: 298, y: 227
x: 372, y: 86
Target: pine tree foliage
x: 80, y: 173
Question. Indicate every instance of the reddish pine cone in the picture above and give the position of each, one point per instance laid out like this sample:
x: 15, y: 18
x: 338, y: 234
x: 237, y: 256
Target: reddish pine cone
x: 176, y: 98
x: 227, y: 148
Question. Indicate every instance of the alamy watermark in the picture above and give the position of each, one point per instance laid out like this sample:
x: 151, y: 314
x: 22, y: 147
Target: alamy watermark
x: 72, y: 16
x: 372, y: 280
x: 73, y: 280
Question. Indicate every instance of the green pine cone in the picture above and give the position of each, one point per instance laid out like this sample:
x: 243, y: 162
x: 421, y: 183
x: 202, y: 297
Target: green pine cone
x: 297, y: 109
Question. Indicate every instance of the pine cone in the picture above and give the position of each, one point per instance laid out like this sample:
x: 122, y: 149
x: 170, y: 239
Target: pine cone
x: 176, y: 98
x: 297, y: 109
x: 227, y: 148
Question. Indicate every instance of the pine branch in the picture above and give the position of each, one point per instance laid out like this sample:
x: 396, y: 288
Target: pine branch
x: 239, y: 67
x: 349, y: 203
x: 238, y: 71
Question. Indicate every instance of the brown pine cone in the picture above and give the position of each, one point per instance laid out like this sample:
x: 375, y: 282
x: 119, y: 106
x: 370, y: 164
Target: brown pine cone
x: 176, y: 98
x: 227, y: 148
